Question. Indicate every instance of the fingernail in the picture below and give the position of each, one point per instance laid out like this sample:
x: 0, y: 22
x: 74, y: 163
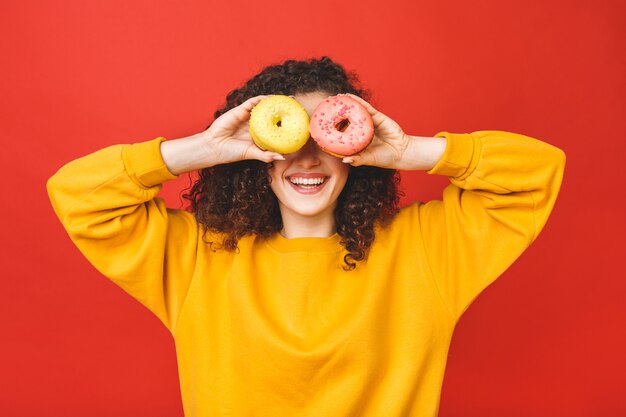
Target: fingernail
x: 347, y: 160
x: 278, y: 158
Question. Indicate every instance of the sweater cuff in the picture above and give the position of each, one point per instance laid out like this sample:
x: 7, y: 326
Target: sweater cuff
x: 460, y: 157
x: 144, y: 163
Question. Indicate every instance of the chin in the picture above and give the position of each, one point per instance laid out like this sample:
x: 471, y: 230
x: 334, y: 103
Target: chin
x: 306, y: 210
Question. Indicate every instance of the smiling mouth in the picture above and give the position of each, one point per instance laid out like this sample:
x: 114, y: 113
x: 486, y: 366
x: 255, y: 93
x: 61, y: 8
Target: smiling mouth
x: 307, y: 185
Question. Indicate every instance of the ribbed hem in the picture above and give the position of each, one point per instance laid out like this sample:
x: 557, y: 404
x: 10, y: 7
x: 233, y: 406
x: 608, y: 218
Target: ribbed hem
x: 144, y: 163
x: 460, y: 157
x: 281, y: 244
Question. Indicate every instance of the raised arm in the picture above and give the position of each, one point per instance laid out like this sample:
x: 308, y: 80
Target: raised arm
x: 107, y: 201
x: 503, y: 188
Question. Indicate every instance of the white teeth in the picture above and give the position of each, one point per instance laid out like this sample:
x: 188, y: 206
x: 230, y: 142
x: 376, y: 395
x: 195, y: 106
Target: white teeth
x: 306, y: 181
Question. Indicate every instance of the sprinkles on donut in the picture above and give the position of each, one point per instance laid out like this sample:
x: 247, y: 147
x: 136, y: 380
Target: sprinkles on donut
x: 341, y: 126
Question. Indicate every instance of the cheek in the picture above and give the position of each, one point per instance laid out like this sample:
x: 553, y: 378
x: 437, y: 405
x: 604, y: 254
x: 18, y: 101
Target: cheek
x: 342, y: 171
x: 342, y: 183
x: 273, y: 171
x: 275, y: 177
x: 342, y: 179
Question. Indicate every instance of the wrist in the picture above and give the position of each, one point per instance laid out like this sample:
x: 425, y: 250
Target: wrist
x: 422, y: 153
x: 187, y: 154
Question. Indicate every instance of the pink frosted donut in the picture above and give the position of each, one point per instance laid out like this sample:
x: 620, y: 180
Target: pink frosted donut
x: 341, y: 126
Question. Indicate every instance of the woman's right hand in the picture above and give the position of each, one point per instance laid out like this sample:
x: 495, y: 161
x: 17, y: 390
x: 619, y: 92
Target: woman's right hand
x: 229, y: 136
x: 226, y: 140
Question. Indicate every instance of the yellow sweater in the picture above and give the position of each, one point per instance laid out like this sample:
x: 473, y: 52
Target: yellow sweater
x: 280, y: 329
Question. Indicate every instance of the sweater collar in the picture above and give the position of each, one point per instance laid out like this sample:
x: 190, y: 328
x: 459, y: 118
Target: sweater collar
x: 304, y: 244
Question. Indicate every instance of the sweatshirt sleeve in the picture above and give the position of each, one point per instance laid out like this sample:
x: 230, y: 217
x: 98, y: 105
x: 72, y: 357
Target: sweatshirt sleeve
x: 107, y: 203
x: 503, y: 188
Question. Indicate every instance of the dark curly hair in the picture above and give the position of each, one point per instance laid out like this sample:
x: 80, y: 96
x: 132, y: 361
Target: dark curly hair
x: 236, y: 199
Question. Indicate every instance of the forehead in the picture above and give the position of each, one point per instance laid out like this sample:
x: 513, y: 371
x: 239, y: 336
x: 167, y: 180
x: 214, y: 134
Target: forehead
x: 311, y: 100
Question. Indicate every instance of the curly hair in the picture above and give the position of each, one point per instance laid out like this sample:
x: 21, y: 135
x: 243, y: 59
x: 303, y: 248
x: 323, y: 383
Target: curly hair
x: 236, y: 199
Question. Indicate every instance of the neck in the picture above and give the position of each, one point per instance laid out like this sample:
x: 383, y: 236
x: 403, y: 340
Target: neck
x: 320, y: 225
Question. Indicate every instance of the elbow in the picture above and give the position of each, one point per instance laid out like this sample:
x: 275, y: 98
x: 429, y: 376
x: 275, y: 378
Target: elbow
x: 52, y: 188
x: 52, y: 185
x: 557, y: 155
x: 59, y: 195
x: 553, y: 160
x: 559, y: 166
x: 544, y: 198
x: 560, y: 159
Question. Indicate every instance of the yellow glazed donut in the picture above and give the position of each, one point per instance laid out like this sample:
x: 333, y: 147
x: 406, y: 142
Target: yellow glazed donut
x: 280, y: 124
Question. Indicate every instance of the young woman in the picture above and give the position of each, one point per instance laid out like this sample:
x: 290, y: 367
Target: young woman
x: 294, y: 299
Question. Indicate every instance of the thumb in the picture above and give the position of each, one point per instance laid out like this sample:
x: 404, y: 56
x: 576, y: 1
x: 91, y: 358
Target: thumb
x: 362, y: 158
x: 254, y: 152
x: 377, y: 117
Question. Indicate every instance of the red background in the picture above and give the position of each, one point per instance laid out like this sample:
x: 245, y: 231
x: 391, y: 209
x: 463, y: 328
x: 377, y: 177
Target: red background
x: 546, y: 339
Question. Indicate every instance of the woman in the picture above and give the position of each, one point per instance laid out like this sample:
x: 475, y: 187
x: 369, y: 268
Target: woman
x: 295, y: 300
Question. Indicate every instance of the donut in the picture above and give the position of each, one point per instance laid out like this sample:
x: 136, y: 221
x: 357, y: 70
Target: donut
x: 279, y: 123
x: 341, y: 126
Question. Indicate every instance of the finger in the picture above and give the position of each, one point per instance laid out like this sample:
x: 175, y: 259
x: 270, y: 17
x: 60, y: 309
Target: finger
x: 372, y: 155
x: 242, y: 111
x: 365, y: 104
x: 254, y: 152
x: 377, y: 117
x: 356, y: 160
x: 251, y: 102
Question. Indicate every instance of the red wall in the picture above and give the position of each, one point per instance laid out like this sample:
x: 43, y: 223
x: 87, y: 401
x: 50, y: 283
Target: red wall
x: 546, y: 339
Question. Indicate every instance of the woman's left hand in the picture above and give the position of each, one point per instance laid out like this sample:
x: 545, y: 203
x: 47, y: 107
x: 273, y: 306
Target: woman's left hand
x: 388, y: 144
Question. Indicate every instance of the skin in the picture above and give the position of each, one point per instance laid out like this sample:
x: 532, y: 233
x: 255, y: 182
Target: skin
x: 308, y: 215
x: 228, y: 140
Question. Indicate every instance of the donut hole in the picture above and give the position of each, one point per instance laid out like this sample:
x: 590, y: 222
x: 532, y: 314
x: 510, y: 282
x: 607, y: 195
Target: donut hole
x: 342, y: 125
x: 277, y: 120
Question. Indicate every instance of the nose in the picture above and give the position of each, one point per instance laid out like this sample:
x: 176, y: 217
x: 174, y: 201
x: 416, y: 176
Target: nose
x: 308, y: 155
